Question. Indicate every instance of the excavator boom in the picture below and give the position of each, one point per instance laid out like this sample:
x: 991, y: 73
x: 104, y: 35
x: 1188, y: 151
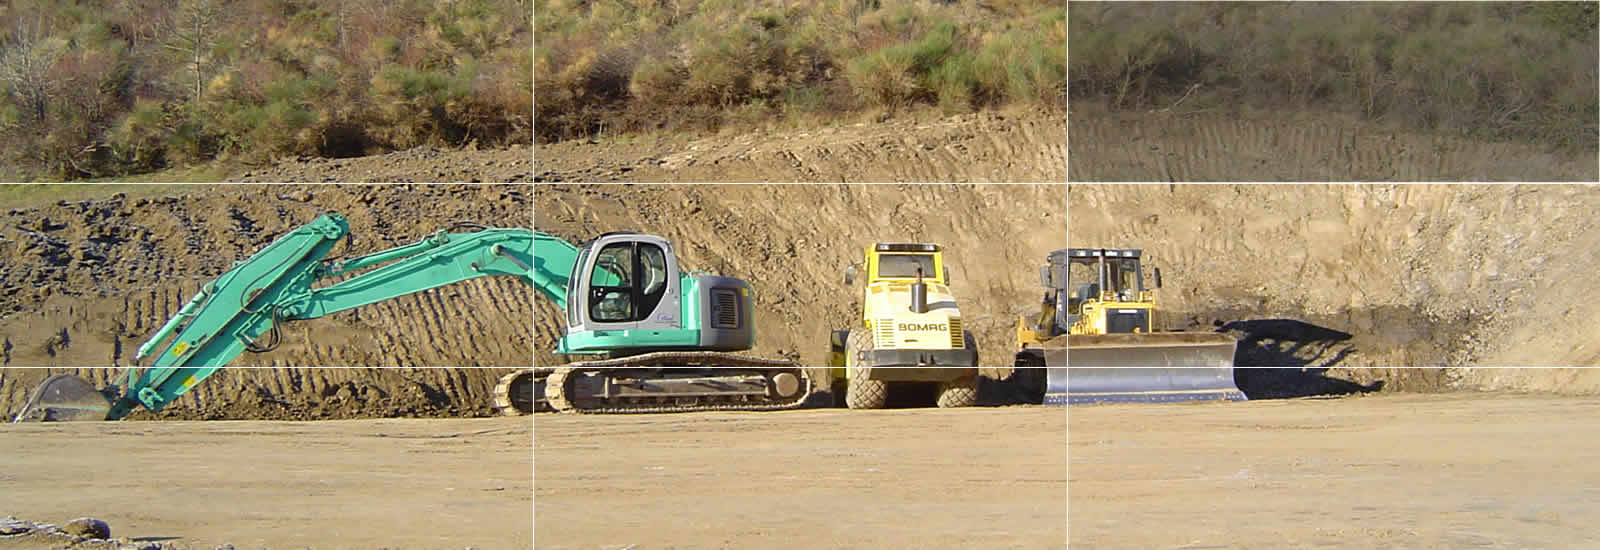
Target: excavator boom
x: 231, y: 314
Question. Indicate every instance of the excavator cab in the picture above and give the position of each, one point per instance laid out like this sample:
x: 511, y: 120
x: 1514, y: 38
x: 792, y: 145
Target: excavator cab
x: 626, y: 295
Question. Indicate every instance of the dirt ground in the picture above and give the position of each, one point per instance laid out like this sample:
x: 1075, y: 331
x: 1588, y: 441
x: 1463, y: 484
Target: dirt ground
x: 1379, y: 275
x: 792, y: 243
x: 84, y: 283
x: 296, y: 393
x: 423, y: 164
x: 358, y: 484
x: 826, y: 478
x: 1393, y: 471
x: 1295, y: 146
x: 1010, y: 146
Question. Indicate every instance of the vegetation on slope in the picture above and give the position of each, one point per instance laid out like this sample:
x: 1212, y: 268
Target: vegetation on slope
x: 610, y: 66
x: 98, y: 88
x: 1496, y: 70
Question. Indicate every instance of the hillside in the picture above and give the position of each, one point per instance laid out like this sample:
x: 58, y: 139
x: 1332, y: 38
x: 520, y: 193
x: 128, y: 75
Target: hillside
x: 1347, y: 276
x: 792, y: 242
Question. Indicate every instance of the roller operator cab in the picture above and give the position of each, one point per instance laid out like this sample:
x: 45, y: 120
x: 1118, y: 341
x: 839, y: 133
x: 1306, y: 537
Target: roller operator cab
x: 909, y: 319
x: 626, y: 295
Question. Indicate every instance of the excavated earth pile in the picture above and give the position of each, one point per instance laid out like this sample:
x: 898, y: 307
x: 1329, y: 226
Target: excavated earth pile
x: 1023, y: 146
x: 792, y: 243
x: 84, y: 283
x: 296, y: 393
x: 512, y: 164
x: 1345, y: 277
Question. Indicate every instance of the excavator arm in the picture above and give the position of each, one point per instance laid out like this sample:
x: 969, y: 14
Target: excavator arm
x: 552, y: 267
x: 232, y: 313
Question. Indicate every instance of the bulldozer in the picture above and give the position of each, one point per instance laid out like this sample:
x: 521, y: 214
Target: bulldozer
x: 1041, y: 338
x: 245, y: 308
x: 1115, y: 356
x: 910, y: 330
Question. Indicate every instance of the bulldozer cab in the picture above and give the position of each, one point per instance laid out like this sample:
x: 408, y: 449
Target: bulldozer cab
x: 1104, y: 275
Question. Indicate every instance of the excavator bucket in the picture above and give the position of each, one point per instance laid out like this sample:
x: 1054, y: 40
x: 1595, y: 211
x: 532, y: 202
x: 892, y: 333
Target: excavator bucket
x: 65, y: 398
x: 1150, y: 368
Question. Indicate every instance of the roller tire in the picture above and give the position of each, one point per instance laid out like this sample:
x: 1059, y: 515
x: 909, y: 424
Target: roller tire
x: 962, y: 392
x: 959, y: 393
x: 861, y: 393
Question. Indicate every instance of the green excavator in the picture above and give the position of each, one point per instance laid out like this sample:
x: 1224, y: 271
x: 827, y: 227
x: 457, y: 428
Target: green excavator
x: 244, y: 309
x: 652, y: 338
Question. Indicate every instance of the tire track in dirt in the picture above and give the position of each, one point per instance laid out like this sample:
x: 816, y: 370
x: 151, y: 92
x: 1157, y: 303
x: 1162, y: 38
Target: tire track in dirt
x: 1296, y: 147
x: 85, y: 283
x: 1416, y: 275
x: 1013, y: 147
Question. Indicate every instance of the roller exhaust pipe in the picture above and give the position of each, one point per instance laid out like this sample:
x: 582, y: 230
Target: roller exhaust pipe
x: 919, y: 294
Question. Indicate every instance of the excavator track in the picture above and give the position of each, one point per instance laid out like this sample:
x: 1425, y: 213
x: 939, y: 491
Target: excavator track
x: 665, y: 382
x: 522, y: 392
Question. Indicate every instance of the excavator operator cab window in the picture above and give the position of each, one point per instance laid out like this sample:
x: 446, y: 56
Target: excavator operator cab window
x: 628, y: 281
x: 610, y: 284
x: 654, y: 285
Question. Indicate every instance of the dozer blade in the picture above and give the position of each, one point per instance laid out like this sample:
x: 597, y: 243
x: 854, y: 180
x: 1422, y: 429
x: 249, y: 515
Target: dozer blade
x: 1151, y: 368
x: 65, y: 398
x: 1056, y: 391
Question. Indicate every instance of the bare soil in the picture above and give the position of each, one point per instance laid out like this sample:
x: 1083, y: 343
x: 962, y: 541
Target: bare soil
x: 84, y: 283
x: 1375, y: 275
x: 1296, y: 146
x: 792, y: 243
x: 295, y: 393
x: 918, y: 478
x: 358, y: 484
x: 1392, y: 471
x: 1012, y: 146
x: 423, y: 164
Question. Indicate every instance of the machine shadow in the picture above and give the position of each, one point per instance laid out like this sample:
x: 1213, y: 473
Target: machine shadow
x: 1287, y: 358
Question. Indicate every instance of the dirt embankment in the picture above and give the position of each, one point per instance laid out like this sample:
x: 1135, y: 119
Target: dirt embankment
x: 1341, y: 276
x: 295, y: 393
x: 423, y: 164
x: 1290, y: 146
x: 792, y: 243
x: 984, y: 147
x: 85, y: 283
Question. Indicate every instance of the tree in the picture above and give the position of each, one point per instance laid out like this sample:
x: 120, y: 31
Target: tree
x: 193, y: 35
x: 26, y: 63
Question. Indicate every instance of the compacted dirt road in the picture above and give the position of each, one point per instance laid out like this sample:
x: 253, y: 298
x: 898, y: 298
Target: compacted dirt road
x: 367, y: 484
x: 820, y: 478
x: 1394, y: 471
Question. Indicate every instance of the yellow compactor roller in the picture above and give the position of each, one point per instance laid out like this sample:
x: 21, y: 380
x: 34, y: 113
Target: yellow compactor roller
x: 1113, y: 354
